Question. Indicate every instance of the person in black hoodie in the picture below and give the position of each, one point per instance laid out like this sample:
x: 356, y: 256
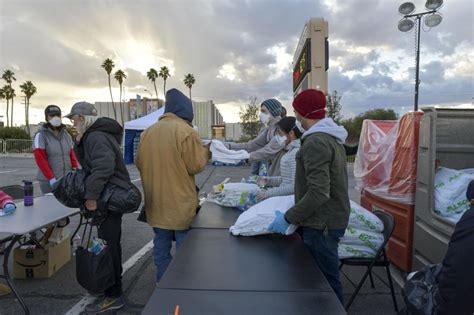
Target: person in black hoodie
x: 98, y: 151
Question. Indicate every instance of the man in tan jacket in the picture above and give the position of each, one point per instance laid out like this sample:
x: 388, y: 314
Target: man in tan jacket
x: 169, y: 155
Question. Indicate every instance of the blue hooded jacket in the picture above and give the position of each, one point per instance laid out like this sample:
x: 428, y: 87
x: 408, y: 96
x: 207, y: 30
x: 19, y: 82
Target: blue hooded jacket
x: 179, y: 104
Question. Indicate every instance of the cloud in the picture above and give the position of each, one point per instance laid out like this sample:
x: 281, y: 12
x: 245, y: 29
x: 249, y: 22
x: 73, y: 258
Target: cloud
x: 235, y: 49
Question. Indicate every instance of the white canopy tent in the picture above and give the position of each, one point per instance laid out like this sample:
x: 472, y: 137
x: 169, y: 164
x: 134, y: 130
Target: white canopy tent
x: 146, y: 121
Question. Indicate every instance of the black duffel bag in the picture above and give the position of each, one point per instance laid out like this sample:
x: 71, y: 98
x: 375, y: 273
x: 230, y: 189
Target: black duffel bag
x: 118, y: 196
x: 94, y: 272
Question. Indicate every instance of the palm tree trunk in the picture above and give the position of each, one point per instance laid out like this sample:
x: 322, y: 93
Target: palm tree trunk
x: 8, y: 112
x: 121, y: 107
x: 11, y: 116
x: 164, y: 89
x: 190, y: 94
x: 111, y: 97
x: 156, y: 92
x: 27, y: 112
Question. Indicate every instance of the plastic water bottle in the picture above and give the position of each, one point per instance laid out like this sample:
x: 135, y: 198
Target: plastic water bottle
x: 28, y: 193
x: 76, y: 242
x: 263, y: 170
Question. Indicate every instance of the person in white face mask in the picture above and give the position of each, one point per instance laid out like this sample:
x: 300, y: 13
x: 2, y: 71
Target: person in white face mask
x: 264, y: 147
x: 53, y: 149
x: 288, y: 135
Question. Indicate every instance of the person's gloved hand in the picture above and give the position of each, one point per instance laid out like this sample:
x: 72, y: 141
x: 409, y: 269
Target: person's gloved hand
x: 279, y: 225
x: 52, y: 181
x: 261, y: 195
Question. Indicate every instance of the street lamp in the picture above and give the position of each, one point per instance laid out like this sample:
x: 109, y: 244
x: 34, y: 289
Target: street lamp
x: 151, y: 95
x: 406, y: 24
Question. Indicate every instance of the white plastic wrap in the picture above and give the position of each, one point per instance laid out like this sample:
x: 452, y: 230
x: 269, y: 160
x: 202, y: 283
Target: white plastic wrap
x: 233, y: 194
x: 257, y: 219
x: 221, y: 154
x: 450, y: 191
x: 387, y: 158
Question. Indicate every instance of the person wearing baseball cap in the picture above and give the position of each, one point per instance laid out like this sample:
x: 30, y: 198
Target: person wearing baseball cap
x: 264, y: 147
x: 53, y: 149
x: 322, y: 204
x: 98, y: 151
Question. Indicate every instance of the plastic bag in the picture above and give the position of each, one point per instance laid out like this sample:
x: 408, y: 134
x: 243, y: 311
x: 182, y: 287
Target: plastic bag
x: 352, y: 250
x: 450, y: 191
x: 69, y: 190
x: 221, y: 154
x: 233, y: 194
x: 361, y: 218
x: 257, y: 219
x: 420, y: 289
x: 372, y: 240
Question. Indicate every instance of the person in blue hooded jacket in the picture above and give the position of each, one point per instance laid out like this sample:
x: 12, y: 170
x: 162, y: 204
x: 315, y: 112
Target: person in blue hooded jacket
x: 169, y: 156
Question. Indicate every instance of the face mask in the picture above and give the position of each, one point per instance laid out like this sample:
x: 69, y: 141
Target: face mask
x: 264, y: 118
x: 281, y: 139
x: 299, y: 126
x: 55, y: 121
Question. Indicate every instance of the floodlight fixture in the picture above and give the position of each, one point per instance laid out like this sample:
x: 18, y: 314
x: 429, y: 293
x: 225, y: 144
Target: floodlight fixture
x: 433, y: 4
x: 406, y: 8
x: 433, y: 20
x: 405, y: 25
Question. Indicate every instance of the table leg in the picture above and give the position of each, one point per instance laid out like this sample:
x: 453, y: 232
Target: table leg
x: 6, y: 274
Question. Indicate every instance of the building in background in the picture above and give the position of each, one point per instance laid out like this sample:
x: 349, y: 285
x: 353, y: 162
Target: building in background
x: 140, y: 107
x: 209, y: 120
x: 233, y: 131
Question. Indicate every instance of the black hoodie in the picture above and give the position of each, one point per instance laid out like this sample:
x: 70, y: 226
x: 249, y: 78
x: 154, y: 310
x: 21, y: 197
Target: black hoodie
x: 99, y: 153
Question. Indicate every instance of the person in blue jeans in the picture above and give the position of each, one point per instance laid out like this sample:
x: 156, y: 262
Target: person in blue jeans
x: 169, y: 156
x: 322, y: 205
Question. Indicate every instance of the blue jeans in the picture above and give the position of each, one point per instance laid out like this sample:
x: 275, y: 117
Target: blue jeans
x: 162, y: 247
x: 323, y: 248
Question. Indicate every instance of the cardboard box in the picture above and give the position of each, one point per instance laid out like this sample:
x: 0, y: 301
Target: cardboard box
x: 40, y: 263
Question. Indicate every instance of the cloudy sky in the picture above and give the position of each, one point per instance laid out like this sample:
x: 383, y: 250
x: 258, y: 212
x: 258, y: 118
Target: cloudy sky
x: 236, y: 49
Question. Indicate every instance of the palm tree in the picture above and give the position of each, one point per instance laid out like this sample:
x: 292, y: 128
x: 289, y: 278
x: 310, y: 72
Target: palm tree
x: 29, y: 90
x: 120, y: 76
x: 152, y: 76
x: 9, y: 95
x: 108, y: 65
x: 2, y: 94
x: 9, y: 77
x: 165, y: 74
x: 189, y: 81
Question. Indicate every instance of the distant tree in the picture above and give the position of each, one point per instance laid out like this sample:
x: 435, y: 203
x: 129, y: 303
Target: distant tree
x: 249, y: 118
x: 152, y: 75
x: 354, y: 125
x: 334, y: 107
x: 3, y: 96
x: 28, y: 89
x: 108, y: 65
x: 9, y: 95
x: 189, y: 82
x: 120, y: 76
x: 9, y: 77
x: 164, y: 74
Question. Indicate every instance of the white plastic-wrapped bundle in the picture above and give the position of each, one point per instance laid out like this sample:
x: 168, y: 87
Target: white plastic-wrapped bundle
x: 257, y: 219
x: 363, y: 235
x: 233, y: 194
x: 450, y: 191
x: 363, y: 219
x: 221, y: 154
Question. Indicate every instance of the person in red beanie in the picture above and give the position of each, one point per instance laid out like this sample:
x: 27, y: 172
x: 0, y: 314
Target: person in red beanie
x: 321, y: 194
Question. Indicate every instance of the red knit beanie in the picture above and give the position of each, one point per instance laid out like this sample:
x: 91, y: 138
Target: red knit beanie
x: 310, y: 104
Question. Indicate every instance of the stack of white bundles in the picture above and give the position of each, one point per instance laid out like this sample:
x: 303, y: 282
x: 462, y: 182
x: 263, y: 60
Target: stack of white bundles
x: 257, y: 219
x: 363, y: 235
